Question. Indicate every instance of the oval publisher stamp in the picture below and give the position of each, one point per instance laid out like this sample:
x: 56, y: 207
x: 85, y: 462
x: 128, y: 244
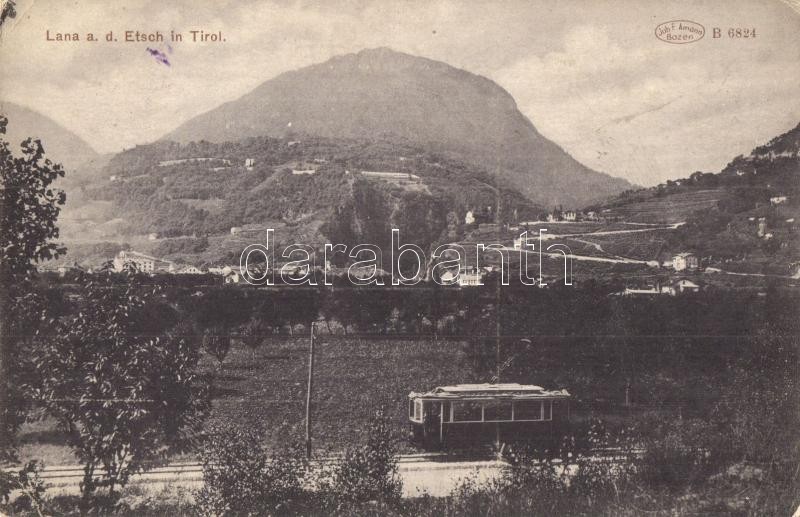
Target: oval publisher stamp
x: 679, y: 32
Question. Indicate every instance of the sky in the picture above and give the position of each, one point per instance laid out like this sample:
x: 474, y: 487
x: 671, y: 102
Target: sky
x: 590, y: 75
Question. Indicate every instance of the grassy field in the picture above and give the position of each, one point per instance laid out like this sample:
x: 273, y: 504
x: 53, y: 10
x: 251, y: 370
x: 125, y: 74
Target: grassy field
x: 352, y: 378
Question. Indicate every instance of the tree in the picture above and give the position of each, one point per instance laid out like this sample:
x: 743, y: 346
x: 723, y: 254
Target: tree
x: 217, y: 343
x: 125, y: 391
x: 8, y: 11
x: 29, y: 207
x: 252, y: 335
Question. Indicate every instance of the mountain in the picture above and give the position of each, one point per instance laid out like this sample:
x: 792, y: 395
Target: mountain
x: 204, y: 202
x: 60, y: 144
x: 381, y: 93
x: 744, y: 218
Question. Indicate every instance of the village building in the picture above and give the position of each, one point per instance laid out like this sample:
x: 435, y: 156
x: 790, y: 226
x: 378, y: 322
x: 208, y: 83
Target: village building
x: 470, y: 277
x: 249, y: 163
x: 648, y: 291
x: 230, y: 275
x: 677, y: 287
x: 291, y: 270
x: 142, y: 262
x: 74, y: 267
x: 303, y: 172
x: 685, y: 286
x: 685, y: 261
x: 777, y: 200
x: 489, y: 227
x: 570, y: 215
x: 152, y: 236
x: 469, y: 218
x: 392, y: 176
x: 762, y: 227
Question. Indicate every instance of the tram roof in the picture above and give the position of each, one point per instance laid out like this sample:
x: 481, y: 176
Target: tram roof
x: 490, y: 391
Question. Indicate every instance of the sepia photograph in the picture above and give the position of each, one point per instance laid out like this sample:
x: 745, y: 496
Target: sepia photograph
x: 406, y: 258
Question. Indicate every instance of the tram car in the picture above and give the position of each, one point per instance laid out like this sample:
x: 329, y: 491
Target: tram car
x: 466, y: 415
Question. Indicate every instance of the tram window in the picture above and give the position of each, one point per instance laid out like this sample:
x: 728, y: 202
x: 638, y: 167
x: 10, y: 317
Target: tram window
x: 528, y: 410
x: 446, y: 412
x: 411, y: 409
x: 467, y: 411
x: 498, y: 410
x: 417, y: 410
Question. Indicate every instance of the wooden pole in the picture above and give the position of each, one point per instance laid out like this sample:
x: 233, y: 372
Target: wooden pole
x: 308, y: 393
x: 497, y: 220
x: 498, y: 309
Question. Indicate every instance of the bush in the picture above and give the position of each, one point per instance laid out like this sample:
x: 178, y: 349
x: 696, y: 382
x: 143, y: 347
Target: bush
x: 28, y: 484
x: 675, y: 457
x: 369, y: 472
x: 242, y: 478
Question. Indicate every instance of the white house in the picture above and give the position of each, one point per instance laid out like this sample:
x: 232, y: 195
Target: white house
x: 683, y: 261
x: 470, y: 277
x: 777, y: 200
x: 648, y: 291
x: 570, y: 215
x: 469, y: 218
x: 230, y: 275
x: 683, y: 285
x: 449, y: 277
x: 144, y: 263
x: 249, y: 163
x: 303, y: 172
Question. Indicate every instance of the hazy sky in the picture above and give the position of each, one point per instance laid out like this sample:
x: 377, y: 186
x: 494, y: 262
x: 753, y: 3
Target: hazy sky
x: 591, y: 76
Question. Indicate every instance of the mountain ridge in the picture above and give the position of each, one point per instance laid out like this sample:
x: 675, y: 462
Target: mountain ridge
x: 383, y: 93
x: 60, y: 144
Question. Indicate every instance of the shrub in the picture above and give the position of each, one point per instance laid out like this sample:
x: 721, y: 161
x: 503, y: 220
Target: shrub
x: 242, y: 478
x: 30, y: 486
x: 675, y: 457
x: 369, y: 472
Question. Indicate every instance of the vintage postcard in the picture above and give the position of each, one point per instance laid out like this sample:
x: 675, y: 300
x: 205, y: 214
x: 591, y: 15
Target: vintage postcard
x: 409, y: 258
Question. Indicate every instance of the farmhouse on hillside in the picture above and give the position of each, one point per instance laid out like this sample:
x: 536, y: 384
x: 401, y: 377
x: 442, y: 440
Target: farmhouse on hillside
x: 685, y: 261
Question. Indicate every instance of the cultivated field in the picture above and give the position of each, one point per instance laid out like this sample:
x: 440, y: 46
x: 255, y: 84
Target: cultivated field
x: 670, y: 208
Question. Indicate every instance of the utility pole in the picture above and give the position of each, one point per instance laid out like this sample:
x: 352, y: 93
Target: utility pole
x: 497, y: 360
x: 308, y: 393
x: 497, y: 295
